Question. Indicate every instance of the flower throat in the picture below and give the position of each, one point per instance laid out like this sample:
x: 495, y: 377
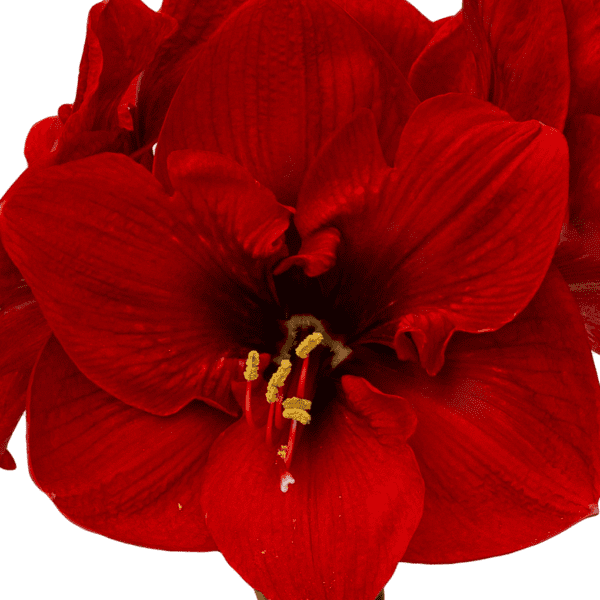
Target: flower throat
x: 294, y: 407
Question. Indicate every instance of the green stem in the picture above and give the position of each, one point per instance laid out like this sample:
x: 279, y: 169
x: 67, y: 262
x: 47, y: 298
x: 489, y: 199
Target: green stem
x: 259, y: 596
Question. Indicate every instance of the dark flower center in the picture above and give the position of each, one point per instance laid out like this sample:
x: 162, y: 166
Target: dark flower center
x: 292, y: 386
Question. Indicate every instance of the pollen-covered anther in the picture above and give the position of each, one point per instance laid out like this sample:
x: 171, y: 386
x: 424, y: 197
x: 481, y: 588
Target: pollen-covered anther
x: 277, y: 380
x: 309, y: 343
x: 252, y: 362
x: 295, y: 402
x: 283, y: 451
x: 297, y: 414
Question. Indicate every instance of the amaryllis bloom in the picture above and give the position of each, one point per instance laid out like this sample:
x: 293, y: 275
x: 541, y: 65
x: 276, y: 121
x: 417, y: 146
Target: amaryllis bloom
x: 325, y: 333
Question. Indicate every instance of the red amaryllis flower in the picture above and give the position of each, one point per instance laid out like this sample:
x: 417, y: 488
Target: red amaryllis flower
x: 448, y: 410
x: 132, y: 64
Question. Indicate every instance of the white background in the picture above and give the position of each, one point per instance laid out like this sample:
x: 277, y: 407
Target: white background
x: 44, y: 556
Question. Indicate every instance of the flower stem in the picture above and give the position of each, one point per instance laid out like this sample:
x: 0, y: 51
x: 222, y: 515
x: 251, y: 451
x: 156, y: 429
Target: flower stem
x: 260, y: 596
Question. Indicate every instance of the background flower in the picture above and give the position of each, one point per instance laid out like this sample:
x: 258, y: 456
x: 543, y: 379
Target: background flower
x: 198, y: 569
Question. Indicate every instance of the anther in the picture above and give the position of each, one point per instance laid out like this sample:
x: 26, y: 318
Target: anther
x: 252, y: 362
x: 277, y: 380
x: 297, y: 415
x: 295, y: 402
x: 283, y: 451
x: 295, y: 408
x: 250, y: 374
x: 309, y: 343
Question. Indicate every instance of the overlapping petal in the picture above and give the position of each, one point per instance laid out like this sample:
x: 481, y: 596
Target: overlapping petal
x: 340, y: 529
x: 458, y: 236
x: 196, y: 22
x: 449, y: 64
x: 508, y: 434
x: 583, y: 29
x: 122, y: 39
x: 396, y: 24
x: 274, y: 82
x: 149, y: 294
x: 13, y: 388
x: 514, y: 53
x: 23, y: 332
x: 114, y: 469
x: 578, y: 255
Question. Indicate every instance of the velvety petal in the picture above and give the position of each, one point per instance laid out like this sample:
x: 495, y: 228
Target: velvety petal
x: 284, y: 74
x: 339, y: 530
x: 397, y: 25
x: 511, y: 53
x: 578, y: 255
x: 13, y: 388
x: 122, y: 39
x: 508, y: 432
x: 23, y: 332
x: 152, y: 297
x: 23, y: 329
x: 457, y: 237
x: 583, y: 28
x: 114, y: 469
x: 528, y: 45
x: 448, y: 64
x: 196, y: 22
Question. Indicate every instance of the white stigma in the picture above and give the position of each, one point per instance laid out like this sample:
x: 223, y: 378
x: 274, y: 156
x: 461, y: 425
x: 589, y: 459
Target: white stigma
x: 286, y: 480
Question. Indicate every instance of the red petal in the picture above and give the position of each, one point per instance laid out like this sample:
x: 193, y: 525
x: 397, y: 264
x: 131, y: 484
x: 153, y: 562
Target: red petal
x: 511, y: 53
x: 122, y: 39
x: 398, y: 26
x: 197, y: 21
x: 583, y: 28
x: 578, y: 255
x: 23, y: 332
x: 23, y: 329
x: 13, y: 388
x: 116, y: 470
x: 457, y: 237
x: 528, y: 48
x: 283, y: 75
x: 342, y: 526
x: 508, y: 433
x: 448, y: 64
x: 148, y: 294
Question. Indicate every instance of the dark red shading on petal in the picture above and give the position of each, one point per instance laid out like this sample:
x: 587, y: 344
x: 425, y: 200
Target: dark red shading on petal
x: 122, y: 39
x: 583, y: 28
x: 284, y: 74
x: 457, y: 237
x: 23, y: 329
x: 152, y: 297
x: 114, y: 469
x: 196, y: 22
x: 528, y: 47
x: 578, y: 255
x: 508, y: 432
x: 513, y: 52
x: 397, y: 25
x: 340, y: 529
x: 23, y: 332
x: 13, y: 388
x: 448, y: 64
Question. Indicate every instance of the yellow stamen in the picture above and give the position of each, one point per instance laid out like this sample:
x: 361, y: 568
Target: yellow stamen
x: 252, y: 362
x: 295, y: 402
x: 283, y: 452
x: 277, y: 380
x: 297, y: 414
x: 309, y: 343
